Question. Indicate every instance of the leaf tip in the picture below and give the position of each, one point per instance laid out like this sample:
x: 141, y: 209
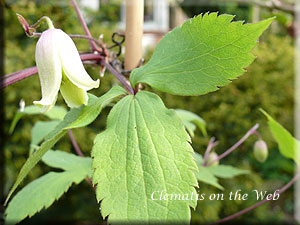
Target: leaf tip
x: 267, y: 22
x: 265, y: 113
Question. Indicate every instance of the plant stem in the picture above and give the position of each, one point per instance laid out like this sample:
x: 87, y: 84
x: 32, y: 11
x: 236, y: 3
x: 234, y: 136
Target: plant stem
x: 241, y: 141
x: 17, y: 76
x: 49, y: 22
x: 36, y: 34
x: 258, y: 134
x: 78, y: 151
x: 119, y: 76
x: 74, y: 143
x: 44, y: 18
x: 91, y: 56
x: 283, y: 189
x: 84, y: 26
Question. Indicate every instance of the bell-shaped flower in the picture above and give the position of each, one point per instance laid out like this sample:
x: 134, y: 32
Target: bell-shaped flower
x: 60, y: 68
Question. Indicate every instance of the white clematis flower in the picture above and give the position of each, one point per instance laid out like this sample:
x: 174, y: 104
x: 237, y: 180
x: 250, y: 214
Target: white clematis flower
x: 60, y: 68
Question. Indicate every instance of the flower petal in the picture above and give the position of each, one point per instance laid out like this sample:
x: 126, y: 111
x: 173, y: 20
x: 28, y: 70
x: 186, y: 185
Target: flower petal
x: 45, y: 107
x: 73, y: 95
x: 72, y: 64
x: 49, y: 68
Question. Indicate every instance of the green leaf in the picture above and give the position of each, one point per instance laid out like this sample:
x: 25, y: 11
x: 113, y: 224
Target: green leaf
x: 50, y: 140
x: 68, y: 161
x: 205, y: 53
x: 41, y: 129
x: 76, y: 117
x: 145, y: 149
x: 209, y: 174
x: 190, y: 127
x: 226, y: 171
x: 56, y: 113
x: 40, y: 193
x: 43, y: 191
x: 90, y: 113
x: 206, y: 176
x: 187, y: 117
x: 288, y: 145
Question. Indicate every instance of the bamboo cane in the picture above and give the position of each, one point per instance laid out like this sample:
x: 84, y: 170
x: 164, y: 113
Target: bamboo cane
x: 133, y: 33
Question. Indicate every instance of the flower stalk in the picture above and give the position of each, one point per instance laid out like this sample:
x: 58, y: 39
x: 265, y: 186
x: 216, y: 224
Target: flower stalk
x: 236, y: 145
x: 85, y: 27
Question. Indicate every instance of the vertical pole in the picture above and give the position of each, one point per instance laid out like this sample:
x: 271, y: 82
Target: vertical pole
x: 297, y: 101
x: 255, y: 14
x: 133, y: 33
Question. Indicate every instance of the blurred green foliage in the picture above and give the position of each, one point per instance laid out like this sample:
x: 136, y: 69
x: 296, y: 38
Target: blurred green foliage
x: 229, y: 113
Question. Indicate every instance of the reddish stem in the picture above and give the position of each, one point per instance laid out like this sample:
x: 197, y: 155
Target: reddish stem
x: 35, y: 34
x: 17, y: 76
x: 119, y: 76
x: 236, y: 145
x: 85, y: 28
x: 78, y: 151
x: 74, y: 143
x: 91, y: 56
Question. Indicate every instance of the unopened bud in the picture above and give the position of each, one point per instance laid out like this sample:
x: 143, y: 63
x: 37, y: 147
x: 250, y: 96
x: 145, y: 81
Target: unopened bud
x: 211, y: 158
x: 260, y: 151
x: 28, y: 30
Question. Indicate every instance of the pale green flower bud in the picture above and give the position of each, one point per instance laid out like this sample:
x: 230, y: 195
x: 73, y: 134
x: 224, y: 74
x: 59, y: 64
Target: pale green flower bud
x: 260, y: 151
x: 212, y: 157
x: 60, y: 68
